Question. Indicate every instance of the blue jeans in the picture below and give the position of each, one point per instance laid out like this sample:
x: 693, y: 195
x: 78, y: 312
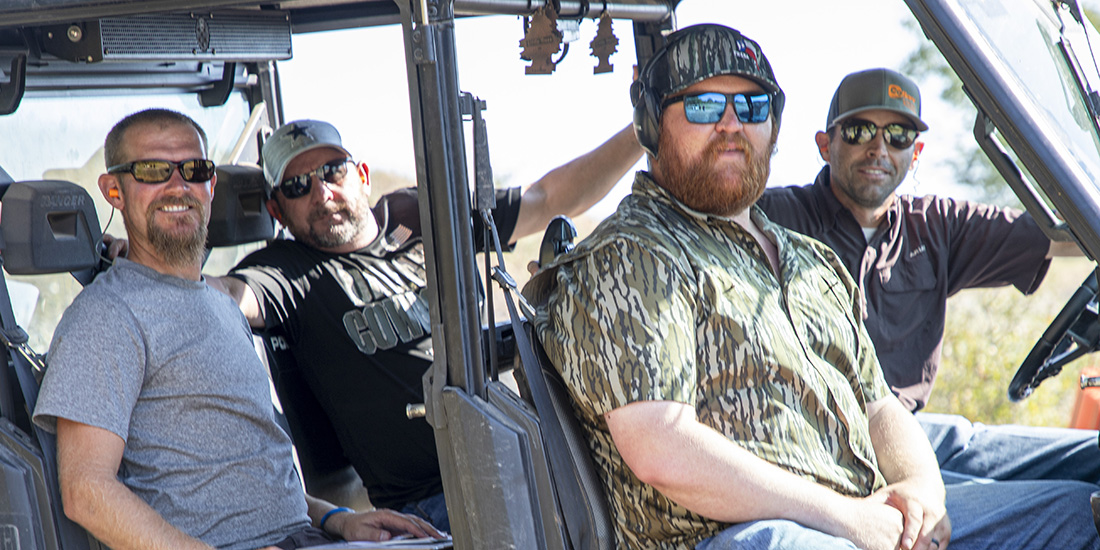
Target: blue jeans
x: 985, y: 515
x: 433, y: 509
x: 966, y: 450
x: 773, y: 534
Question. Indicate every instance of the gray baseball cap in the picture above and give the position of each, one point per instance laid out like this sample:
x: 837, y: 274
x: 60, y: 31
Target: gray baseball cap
x: 293, y: 139
x: 876, y: 89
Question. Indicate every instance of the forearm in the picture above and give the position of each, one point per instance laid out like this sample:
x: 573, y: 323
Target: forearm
x: 1064, y: 248
x: 574, y: 187
x: 118, y: 518
x: 902, y: 448
x: 708, y: 474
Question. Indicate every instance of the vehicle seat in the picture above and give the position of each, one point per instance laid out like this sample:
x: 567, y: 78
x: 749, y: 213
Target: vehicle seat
x: 579, y: 491
x: 45, y: 227
x: 238, y: 211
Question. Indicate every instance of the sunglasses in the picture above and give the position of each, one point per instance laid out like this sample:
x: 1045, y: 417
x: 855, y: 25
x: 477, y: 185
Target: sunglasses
x: 332, y: 172
x: 160, y: 171
x: 708, y: 107
x: 857, y: 131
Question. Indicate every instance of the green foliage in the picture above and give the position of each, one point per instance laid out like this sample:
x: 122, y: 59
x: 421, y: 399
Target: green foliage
x: 988, y: 334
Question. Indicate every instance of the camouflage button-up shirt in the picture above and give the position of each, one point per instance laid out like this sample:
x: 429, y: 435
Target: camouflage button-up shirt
x: 665, y: 303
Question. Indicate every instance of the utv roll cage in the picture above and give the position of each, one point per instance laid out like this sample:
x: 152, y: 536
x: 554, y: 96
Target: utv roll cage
x: 515, y: 470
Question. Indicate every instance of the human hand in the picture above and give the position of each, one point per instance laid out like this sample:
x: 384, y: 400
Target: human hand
x: 380, y: 525
x: 924, y: 513
x: 116, y: 247
x: 870, y: 524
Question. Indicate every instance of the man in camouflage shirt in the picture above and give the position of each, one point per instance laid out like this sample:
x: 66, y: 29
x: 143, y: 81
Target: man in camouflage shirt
x: 718, y: 362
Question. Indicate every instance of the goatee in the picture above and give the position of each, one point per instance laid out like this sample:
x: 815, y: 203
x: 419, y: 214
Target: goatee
x: 178, y: 248
x: 354, y: 213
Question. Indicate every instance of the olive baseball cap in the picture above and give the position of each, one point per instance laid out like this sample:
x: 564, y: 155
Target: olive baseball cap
x: 293, y: 139
x: 876, y: 89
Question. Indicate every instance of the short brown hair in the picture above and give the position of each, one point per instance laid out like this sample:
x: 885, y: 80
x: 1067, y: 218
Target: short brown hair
x: 112, y: 147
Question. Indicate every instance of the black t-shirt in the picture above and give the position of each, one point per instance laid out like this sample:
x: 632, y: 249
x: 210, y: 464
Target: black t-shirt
x: 359, y: 327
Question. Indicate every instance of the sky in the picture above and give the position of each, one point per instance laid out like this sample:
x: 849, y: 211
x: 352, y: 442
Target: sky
x: 538, y: 122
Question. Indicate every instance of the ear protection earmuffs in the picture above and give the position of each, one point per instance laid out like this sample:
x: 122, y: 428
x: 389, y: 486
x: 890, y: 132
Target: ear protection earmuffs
x: 647, y: 112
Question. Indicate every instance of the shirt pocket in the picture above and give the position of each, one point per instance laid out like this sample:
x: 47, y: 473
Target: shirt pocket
x: 911, y: 275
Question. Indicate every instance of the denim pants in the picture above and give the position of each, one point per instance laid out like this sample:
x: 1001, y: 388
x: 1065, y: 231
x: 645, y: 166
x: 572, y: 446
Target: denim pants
x: 985, y: 515
x: 433, y: 509
x: 966, y: 450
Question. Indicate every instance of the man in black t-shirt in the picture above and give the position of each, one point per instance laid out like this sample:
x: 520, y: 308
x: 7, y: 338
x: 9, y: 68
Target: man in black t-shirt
x: 347, y: 293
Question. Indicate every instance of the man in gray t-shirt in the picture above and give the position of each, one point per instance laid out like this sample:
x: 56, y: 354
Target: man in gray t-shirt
x: 173, y: 374
x: 165, y: 431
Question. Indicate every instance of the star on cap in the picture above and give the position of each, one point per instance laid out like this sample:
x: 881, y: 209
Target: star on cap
x: 297, y: 131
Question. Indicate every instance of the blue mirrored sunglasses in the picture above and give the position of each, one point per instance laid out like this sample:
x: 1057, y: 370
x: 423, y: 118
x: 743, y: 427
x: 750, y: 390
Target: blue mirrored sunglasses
x: 708, y: 107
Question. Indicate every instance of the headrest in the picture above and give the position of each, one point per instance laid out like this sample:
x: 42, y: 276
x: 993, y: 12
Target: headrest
x: 238, y: 214
x: 48, y: 227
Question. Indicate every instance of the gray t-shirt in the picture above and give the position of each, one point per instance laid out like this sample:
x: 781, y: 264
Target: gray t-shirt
x: 168, y: 365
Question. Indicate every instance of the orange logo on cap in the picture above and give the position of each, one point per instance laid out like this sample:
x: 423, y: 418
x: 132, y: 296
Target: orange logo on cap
x: 895, y: 92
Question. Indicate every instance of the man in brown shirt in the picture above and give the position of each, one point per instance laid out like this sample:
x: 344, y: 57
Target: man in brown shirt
x: 909, y: 254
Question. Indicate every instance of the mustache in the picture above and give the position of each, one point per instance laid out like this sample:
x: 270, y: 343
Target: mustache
x: 184, y: 200
x: 884, y: 164
x: 723, y: 143
x: 329, y: 208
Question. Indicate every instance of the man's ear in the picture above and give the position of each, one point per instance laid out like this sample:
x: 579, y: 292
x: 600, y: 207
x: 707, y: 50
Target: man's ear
x: 918, y: 147
x: 364, y: 174
x: 822, y: 140
x: 111, y: 189
x: 213, y: 182
x: 275, y: 211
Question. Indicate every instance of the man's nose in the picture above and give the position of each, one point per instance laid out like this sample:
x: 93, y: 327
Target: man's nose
x: 729, y: 121
x: 321, y: 188
x: 877, y: 146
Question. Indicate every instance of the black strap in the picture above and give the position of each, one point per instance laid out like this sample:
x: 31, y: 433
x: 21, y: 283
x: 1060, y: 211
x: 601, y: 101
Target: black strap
x: 556, y: 444
x: 14, y: 338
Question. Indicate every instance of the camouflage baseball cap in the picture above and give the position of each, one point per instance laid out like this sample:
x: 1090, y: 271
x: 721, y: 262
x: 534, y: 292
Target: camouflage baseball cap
x: 293, y: 139
x: 876, y: 89
x: 696, y: 53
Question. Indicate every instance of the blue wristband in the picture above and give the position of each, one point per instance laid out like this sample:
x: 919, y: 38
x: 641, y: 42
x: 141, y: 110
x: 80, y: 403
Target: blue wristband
x: 328, y: 514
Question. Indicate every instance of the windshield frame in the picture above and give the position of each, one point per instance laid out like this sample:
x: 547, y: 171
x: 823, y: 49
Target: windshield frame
x: 1001, y: 98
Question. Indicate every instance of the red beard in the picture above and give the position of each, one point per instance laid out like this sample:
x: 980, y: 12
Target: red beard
x: 703, y: 187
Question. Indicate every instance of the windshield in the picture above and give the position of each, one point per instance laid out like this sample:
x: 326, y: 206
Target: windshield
x: 1028, y: 67
x: 61, y: 138
x: 1034, y: 56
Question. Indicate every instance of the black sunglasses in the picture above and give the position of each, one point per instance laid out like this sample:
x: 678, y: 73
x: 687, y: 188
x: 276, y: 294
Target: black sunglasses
x: 332, y: 172
x: 856, y: 131
x: 708, y: 107
x: 160, y: 171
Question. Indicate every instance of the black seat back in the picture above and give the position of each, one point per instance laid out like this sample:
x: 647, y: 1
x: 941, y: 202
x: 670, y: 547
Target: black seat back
x: 238, y: 211
x: 587, y: 512
x: 45, y: 227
